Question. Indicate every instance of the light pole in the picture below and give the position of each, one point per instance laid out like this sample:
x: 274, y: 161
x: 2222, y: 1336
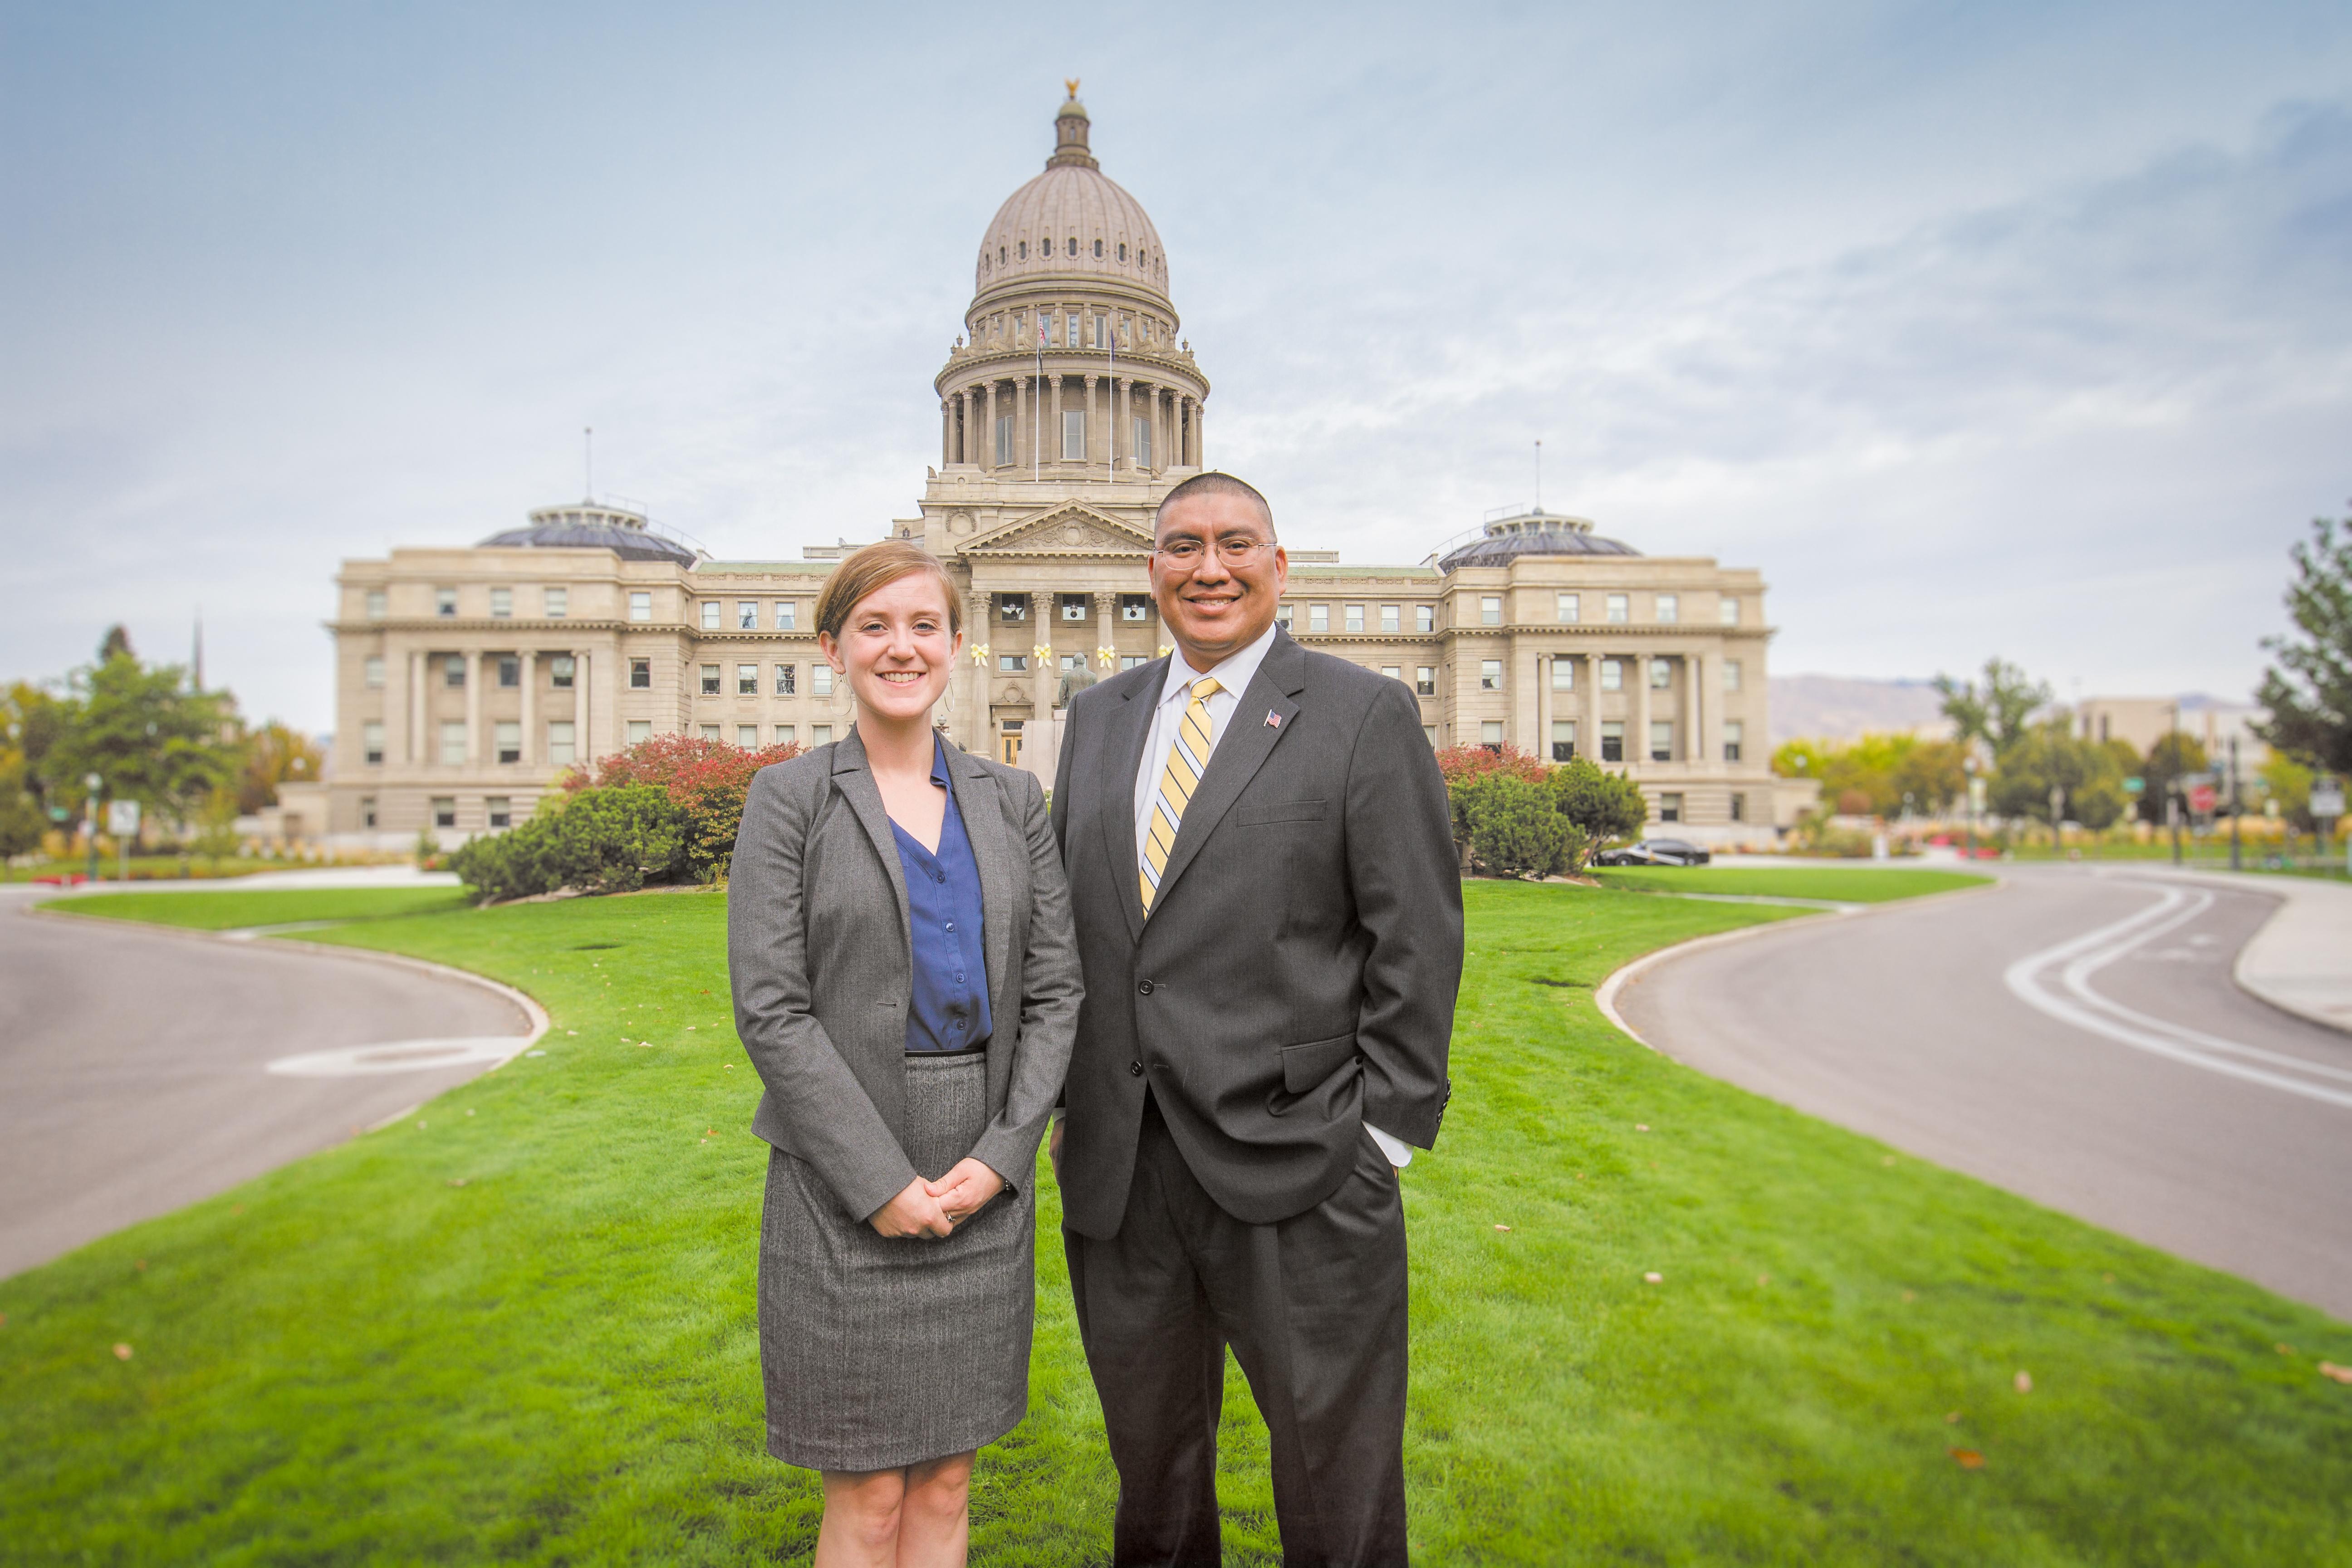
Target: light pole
x: 2235, y: 810
x: 1968, y: 766
x: 2057, y: 816
x: 91, y: 783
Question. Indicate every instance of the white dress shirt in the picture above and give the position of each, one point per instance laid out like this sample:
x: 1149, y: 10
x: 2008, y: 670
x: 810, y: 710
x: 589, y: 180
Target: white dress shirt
x: 1233, y: 674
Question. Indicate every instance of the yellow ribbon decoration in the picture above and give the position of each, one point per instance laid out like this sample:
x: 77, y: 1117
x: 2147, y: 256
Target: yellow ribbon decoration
x: 1108, y: 657
x: 1042, y: 651
x: 980, y: 653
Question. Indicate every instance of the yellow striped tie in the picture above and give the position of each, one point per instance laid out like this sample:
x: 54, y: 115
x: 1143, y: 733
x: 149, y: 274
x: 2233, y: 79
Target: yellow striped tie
x: 1187, y: 760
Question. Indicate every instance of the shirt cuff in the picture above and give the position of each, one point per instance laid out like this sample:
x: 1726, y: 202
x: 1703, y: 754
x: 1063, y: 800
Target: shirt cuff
x: 1400, y: 1152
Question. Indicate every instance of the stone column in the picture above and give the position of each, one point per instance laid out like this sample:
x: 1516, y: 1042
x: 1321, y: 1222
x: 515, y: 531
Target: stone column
x: 1020, y: 421
x: 419, y: 705
x: 584, y: 723
x: 1041, y: 672
x: 1106, y: 635
x: 988, y: 418
x: 946, y: 432
x: 1588, y: 733
x: 1694, y: 746
x: 398, y: 681
x: 473, y: 708
x: 530, y: 747
x: 1200, y: 433
x: 1641, y: 746
x: 1122, y: 405
x: 977, y: 624
x: 1542, y: 748
x: 1094, y: 431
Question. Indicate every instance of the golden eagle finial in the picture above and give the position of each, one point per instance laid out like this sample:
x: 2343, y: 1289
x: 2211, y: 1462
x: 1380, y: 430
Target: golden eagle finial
x: 1072, y: 84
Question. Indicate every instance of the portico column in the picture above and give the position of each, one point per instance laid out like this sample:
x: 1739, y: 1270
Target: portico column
x: 473, y: 707
x: 530, y: 749
x: 1200, y: 433
x: 1122, y: 417
x: 1020, y: 421
x: 988, y: 418
x: 1641, y: 748
x: 1094, y: 431
x: 397, y: 683
x: 1588, y: 734
x: 1041, y: 661
x: 946, y: 432
x: 975, y: 674
x: 1106, y: 635
x: 1542, y: 747
x: 420, y: 667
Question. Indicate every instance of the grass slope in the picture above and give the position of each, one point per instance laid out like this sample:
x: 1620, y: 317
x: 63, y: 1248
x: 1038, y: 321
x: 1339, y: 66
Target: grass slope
x: 357, y: 1359
x: 262, y: 907
x: 1854, y: 885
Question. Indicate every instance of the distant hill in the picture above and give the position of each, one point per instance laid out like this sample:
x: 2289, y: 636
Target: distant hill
x: 1839, y: 708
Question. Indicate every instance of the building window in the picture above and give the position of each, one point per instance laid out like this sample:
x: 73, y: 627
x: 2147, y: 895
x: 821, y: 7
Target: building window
x: 559, y: 742
x: 1738, y: 807
x: 498, y: 811
x: 1490, y: 675
x: 1662, y: 675
x: 379, y: 604
x: 1073, y: 606
x: 561, y: 669
x: 1142, y: 442
x: 640, y: 730
x: 1429, y: 733
x: 710, y: 731
x: 820, y: 734
x: 1393, y: 671
x: 1282, y: 613
x: 820, y: 680
x: 1005, y: 439
x: 788, y: 614
x: 641, y: 675
x: 748, y: 736
x: 747, y: 680
x: 709, y: 614
x: 1133, y: 660
x: 453, y: 742
x: 1392, y: 619
x: 1012, y: 661
x: 641, y: 606
x: 1424, y: 618
x: 557, y: 602
x: 1134, y: 609
x: 507, y: 735
x: 1567, y: 608
x: 372, y: 742
x: 1563, y: 740
x: 1612, y: 675
x: 1731, y: 674
x: 367, y: 811
x: 372, y: 672
x: 711, y: 680
x: 1563, y: 675
x: 747, y: 614
x: 1355, y: 621
x: 1490, y: 610
x: 1074, y: 434
x: 1670, y: 609
x: 1612, y: 740
x: 1620, y: 608
x: 1661, y: 739
x: 445, y: 603
x: 1424, y: 679
x: 501, y: 603
x: 1734, y: 734
x: 1011, y: 606
x: 784, y: 734
x: 787, y: 681
x: 1670, y: 807
x: 445, y: 811
x: 1726, y: 610
x: 1490, y: 732
x: 1319, y: 618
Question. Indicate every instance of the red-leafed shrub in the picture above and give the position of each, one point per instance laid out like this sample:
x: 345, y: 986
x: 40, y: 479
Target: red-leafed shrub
x: 707, y: 779
x: 1461, y: 763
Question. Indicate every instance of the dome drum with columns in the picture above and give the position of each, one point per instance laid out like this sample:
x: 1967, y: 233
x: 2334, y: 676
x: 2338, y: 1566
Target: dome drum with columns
x: 470, y: 679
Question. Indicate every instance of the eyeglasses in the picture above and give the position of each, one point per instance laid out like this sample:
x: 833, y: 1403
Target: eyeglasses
x: 1187, y: 554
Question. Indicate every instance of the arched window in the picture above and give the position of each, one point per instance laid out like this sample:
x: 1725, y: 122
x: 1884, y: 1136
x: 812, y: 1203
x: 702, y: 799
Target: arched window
x: 1098, y: 250
x: 1024, y: 250
x: 1122, y: 250
x: 1000, y: 255
x: 1074, y: 245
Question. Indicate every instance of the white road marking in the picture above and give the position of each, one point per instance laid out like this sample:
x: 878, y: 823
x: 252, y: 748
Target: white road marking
x: 400, y: 1055
x: 2087, y: 1009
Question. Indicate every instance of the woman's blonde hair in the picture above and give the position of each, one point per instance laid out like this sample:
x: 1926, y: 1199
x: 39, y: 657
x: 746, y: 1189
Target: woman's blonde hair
x: 875, y: 567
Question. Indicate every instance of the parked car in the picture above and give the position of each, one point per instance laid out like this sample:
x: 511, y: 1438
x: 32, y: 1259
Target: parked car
x: 1654, y: 852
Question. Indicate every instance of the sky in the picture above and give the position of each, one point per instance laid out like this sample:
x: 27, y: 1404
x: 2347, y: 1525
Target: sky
x: 1987, y: 329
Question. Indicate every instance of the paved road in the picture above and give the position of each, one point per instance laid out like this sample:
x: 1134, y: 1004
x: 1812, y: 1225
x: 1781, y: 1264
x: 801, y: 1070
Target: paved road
x: 133, y: 1066
x: 2071, y: 1037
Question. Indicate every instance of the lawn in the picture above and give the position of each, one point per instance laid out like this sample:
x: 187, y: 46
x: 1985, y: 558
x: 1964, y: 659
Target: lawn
x: 357, y: 1359
x: 1841, y: 884
x: 265, y: 907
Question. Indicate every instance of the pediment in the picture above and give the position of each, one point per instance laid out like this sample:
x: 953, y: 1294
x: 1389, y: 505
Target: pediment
x: 1064, y: 530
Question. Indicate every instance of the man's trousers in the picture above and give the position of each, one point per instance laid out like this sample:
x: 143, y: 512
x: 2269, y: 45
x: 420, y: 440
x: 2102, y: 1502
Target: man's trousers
x: 1314, y: 1308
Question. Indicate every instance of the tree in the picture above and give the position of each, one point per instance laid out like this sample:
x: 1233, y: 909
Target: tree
x: 275, y: 754
x: 1995, y: 709
x: 141, y: 731
x: 1934, y: 773
x: 21, y: 822
x: 1516, y: 826
x: 1599, y: 804
x: 2050, y: 754
x: 2172, y: 756
x: 707, y: 779
x: 2287, y: 783
x: 31, y: 719
x: 2307, y: 693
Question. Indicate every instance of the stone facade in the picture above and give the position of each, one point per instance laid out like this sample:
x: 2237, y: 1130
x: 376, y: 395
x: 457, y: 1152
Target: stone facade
x: 469, y: 678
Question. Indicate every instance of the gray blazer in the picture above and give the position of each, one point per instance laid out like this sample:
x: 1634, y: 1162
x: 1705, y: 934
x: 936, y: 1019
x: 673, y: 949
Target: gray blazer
x: 820, y: 955
x: 1296, y: 977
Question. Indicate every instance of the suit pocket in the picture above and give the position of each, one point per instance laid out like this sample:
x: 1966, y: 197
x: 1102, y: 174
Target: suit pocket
x: 1304, y: 1065
x: 1283, y: 811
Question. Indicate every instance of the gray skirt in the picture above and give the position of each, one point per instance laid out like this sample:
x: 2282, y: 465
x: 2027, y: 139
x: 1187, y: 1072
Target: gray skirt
x: 879, y: 1352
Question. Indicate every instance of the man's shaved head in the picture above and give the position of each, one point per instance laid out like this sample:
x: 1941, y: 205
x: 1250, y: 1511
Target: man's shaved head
x: 1215, y: 484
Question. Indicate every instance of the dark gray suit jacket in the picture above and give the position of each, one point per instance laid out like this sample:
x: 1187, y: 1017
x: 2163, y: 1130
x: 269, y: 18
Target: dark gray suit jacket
x: 1296, y: 977
x: 820, y: 953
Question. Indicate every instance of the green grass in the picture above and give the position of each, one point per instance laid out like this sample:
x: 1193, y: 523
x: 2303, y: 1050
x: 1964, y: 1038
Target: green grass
x: 354, y: 1360
x: 1852, y: 885
x: 235, y: 910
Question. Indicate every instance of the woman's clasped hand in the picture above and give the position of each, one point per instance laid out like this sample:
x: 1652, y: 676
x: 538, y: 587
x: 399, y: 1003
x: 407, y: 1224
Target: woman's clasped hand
x: 934, y: 1209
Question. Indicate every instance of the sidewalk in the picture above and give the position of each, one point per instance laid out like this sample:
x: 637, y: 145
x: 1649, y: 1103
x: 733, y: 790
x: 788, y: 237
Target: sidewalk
x: 260, y: 881
x: 2301, y: 961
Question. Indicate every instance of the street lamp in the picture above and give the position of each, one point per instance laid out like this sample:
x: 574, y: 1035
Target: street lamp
x: 91, y: 783
x: 1968, y: 766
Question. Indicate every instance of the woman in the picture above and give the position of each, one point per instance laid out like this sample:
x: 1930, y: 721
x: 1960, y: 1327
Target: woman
x: 906, y: 981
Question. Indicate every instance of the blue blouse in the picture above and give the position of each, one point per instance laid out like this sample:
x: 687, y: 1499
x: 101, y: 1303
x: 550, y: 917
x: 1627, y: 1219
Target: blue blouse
x: 949, y: 1011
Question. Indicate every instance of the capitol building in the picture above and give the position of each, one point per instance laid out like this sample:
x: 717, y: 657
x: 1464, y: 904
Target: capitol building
x: 468, y: 679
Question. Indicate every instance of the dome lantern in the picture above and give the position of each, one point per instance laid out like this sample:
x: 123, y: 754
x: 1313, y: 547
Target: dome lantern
x: 1070, y: 127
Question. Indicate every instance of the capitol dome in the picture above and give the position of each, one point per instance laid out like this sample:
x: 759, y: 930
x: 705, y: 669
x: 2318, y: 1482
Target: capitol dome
x: 1532, y: 532
x: 1072, y: 221
x: 586, y: 525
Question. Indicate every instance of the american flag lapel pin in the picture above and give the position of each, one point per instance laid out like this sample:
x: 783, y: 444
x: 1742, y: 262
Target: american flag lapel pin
x: 1273, y: 720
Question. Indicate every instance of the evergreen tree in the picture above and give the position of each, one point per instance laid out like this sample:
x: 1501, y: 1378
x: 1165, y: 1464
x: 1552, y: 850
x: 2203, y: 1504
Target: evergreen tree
x: 2307, y: 692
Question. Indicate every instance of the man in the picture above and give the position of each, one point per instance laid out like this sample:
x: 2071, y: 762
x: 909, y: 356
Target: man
x: 1269, y: 917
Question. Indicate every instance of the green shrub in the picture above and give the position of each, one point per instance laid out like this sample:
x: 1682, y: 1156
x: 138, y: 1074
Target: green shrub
x: 1515, y: 830
x: 598, y: 840
x: 1602, y: 805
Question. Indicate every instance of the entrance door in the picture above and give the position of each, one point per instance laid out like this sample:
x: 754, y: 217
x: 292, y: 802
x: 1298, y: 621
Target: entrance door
x: 1008, y: 744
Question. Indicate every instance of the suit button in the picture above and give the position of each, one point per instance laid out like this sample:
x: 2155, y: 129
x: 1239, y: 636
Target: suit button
x: 1143, y: 988
x: 1135, y: 1070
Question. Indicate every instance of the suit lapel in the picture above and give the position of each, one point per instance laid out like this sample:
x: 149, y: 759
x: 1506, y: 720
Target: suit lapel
x: 855, y: 779
x: 979, y: 803
x: 1244, y: 748
x: 1131, y: 726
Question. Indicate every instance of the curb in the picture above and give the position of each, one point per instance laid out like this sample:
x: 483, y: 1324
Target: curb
x: 533, y: 1014
x: 1604, y: 995
x: 2284, y: 898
